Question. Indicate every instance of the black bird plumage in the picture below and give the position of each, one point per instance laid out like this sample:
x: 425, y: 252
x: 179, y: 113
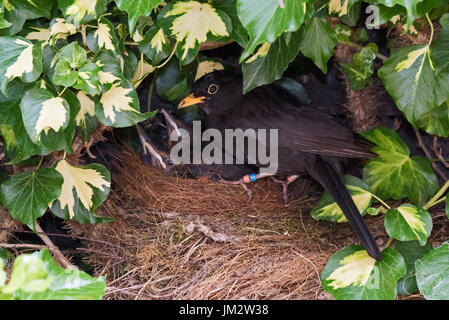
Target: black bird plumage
x: 309, y: 140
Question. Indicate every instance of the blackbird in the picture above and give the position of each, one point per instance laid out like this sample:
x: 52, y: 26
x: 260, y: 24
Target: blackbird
x: 309, y: 141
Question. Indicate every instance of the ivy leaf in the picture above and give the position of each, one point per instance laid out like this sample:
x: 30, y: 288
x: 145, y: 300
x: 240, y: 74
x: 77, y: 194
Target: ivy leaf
x: 318, y: 42
x: 44, y: 116
x: 265, y: 20
x: 432, y: 272
x: 119, y: 106
x: 181, y: 21
x: 360, y: 71
x: 88, y: 79
x: 142, y: 71
x: 103, y: 37
x: 83, y: 190
x: 408, y: 222
x: 394, y: 174
x: 18, y: 145
x: 3, y: 22
x: 351, y: 274
x: 270, y: 61
x: 341, y: 8
x: 239, y: 32
x: 410, y: 251
x: 38, y: 277
x: 409, y: 77
x: 82, y: 11
x: 85, y: 119
x: 328, y: 209
x: 71, y: 58
x: 155, y: 45
x: 19, y: 58
x: 207, y: 66
x: 27, y: 195
x: 136, y: 8
x: 410, y: 6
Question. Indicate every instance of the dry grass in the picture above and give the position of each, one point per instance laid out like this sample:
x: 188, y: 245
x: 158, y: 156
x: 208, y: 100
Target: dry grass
x: 178, y: 238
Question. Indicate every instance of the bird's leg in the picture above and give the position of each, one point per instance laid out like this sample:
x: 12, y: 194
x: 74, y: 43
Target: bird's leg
x: 248, y: 179
x: 285, y: 184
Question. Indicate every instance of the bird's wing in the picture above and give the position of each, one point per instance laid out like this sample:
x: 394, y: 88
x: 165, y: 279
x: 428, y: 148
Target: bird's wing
x: 305, y: 129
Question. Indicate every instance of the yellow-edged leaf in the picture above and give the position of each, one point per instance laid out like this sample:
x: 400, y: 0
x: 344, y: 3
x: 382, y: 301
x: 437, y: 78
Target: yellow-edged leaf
x: 115, y: 100
x: 53, y: 115
x: 87, y: 108
x: 206, y: 67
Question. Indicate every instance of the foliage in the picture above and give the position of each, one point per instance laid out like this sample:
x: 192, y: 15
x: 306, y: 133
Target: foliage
x: 68, y: 67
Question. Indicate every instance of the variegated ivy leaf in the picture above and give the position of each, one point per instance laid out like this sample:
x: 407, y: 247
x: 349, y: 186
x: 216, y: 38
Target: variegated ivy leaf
x: 394, y: 173
x: 341, y: 7
x: 110, y: 70
x: 119, y: 106
x: 61, y: 29
x: 193, y: 23
x: 155, y: 46
x: 207, y: 66
x: 83, y: 190
x: 408, y: 222
x: 142, y: 71
x: 27, y: 195
x: 3, y: 22
x: 85, y: 120
x: 410, y: 78
x: 410, y: 6
x: 47, y: 119
x: 82, y: 11
x: 328, y: 209
x: 103, y: 37
x: 136, y: 8
x: 19, y: 58
x: 432, y: 273
x: 265, y: 20
x: 351, y: 274
x: 39, y: 34
x: 72, y: 69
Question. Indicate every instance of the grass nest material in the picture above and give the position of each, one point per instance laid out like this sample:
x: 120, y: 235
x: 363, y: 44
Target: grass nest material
x: 179, y: 238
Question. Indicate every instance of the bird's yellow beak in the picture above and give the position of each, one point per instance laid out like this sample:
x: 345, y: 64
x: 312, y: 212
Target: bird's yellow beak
x: 190, y: 100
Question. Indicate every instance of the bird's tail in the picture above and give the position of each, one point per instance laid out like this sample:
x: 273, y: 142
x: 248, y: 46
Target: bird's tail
x: 326, y: 175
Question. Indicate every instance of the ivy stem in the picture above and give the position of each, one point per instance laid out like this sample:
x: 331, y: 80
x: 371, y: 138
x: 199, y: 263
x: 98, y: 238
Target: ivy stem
x: 431, y: 29
x: 359, y: 47
x: 168, y: 59
x: 62, y: 92
x: 150, y: 90
x: 436, y: 198
x: 40, y: 163
x: 388, y: 243
x: 381, y: 201
x: 84, y: 35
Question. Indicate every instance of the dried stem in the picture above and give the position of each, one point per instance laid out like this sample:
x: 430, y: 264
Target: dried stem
x: 429, y: 155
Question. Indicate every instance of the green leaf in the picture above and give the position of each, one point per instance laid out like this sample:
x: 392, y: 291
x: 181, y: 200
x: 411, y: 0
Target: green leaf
x: 119, y: 106
x: 410, y: 251
x: 410, y: 6
x: 136, y: 8
x: 88, y: 79
x: 38, y: 277
x: 360, y: 71
x: 83, y: 190
x: 239, y: 32
x: 45, y: 117
x: 71, y: 58
x: 436, y: 121
x: 409, y: 77
x: 85, y: 119
x: 318, y: 42
x: 155, y: 46
x: 268, y: 64
x: 265, y: 20
x: 103, y: 37
x: 351, y: 274
x: 408, y: 222
x: 82, y: 11
x: 328, y: 209
x: 19, y: 58
x: 27, y: 195
x: 432, y: 273
x: 3, y: 22
x: 394, y: 174
x: 181, y: 21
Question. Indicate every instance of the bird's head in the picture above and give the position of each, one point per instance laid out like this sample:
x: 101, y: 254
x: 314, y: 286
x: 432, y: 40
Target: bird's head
x: 214, y: 89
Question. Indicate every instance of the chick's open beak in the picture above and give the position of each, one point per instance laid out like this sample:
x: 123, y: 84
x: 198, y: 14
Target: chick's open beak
x: 190, y: 100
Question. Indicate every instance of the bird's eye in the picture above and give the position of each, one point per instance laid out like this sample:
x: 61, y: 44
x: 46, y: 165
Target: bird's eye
x: 213, y: 89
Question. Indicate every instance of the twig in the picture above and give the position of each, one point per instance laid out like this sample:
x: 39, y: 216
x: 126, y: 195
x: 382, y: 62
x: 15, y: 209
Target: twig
x: 22, y: 245
x: 438, y: 152
x: 53, y: 249
x: 428, y: 155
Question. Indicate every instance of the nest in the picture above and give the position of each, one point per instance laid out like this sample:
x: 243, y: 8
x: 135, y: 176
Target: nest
x: 179, y: 238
